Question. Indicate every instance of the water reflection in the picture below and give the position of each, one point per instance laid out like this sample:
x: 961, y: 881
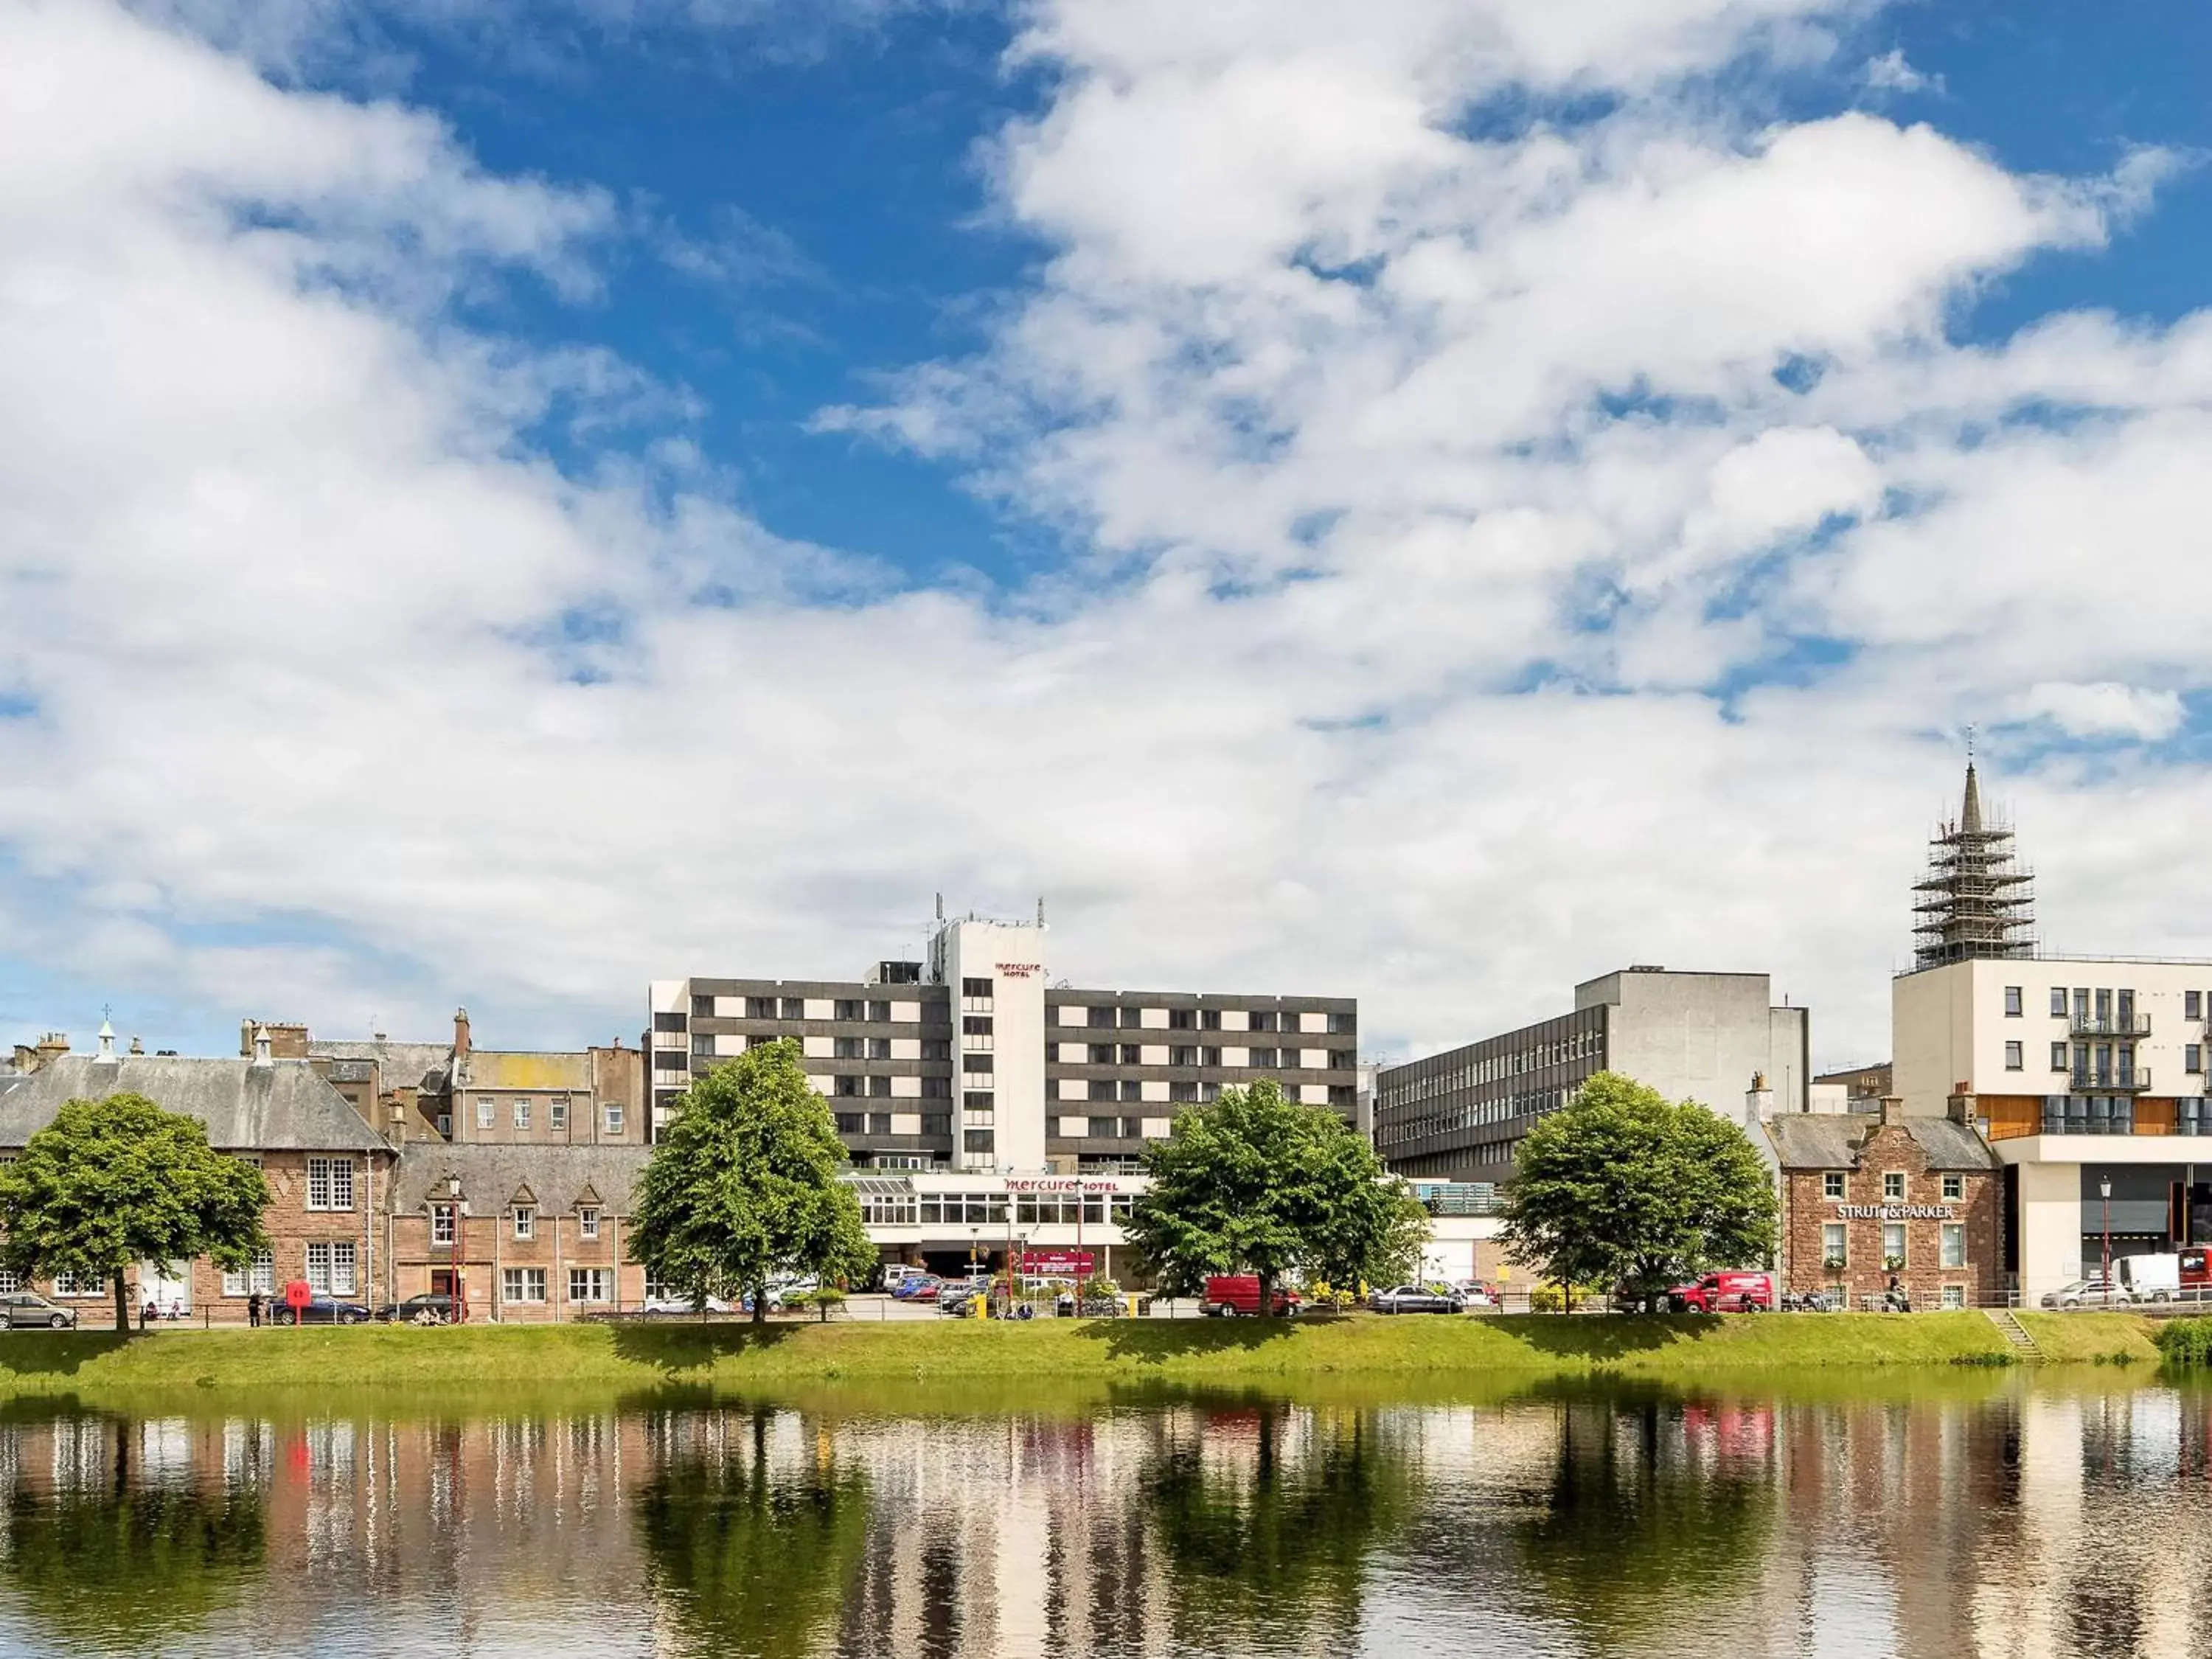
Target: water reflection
x: 753, y: 1544
x: 1994, y: 1518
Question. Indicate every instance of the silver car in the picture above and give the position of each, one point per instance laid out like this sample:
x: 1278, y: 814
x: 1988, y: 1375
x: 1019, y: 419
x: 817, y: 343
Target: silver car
x: 29, y: 1310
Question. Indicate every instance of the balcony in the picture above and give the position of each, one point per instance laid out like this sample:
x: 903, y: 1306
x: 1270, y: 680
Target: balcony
x: 2126, y: 1027
x: 2111, y: 1080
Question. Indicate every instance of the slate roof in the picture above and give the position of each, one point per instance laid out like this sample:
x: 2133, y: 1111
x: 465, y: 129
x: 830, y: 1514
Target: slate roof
x: 555, y: 1176
x: 406, y: 1065
x: 1806, y: 1141
x: 281, y: 1106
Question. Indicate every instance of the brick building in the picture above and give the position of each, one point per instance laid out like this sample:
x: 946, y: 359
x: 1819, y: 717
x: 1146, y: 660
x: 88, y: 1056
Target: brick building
x: 329, y: 1173
x: 1865, y: 1197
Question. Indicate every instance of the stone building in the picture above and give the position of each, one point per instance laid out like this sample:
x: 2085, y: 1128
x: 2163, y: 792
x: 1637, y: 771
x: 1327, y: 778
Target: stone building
x: 526, y: 1234
x: 1866, y: 1198
x: 329, y: 1173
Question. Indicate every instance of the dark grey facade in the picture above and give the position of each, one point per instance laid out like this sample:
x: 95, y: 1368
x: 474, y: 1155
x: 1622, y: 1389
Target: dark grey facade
x: 1458, y: 1115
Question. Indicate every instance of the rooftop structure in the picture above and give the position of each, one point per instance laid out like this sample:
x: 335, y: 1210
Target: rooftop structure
x: 1975, y: 902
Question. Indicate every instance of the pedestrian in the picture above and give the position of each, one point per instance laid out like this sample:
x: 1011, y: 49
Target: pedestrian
x: 254, y: 1309
x: 145, y: 1315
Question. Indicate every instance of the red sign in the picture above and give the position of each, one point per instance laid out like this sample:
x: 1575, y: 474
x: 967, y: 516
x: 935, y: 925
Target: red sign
x: 298, y: 1294
x: 1020, y: 969
x: 1058, y: 1264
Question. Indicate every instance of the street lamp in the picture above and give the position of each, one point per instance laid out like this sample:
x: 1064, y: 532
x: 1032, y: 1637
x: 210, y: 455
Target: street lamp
x: 2105, y: 1188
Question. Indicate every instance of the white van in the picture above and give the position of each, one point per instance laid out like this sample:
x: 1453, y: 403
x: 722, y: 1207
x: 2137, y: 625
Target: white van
x: 2150, y: 1278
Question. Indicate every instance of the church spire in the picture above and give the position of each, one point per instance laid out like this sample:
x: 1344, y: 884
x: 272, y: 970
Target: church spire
x: 1975, y: 901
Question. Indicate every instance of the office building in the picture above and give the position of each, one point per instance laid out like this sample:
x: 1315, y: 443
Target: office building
x: 978, y: 1060
x: 1459, y: 1115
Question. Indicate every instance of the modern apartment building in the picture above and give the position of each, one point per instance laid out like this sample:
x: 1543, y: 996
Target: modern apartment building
x: 2087, y: 1073
x: 977, y: 1059
x: 1459, y: 1115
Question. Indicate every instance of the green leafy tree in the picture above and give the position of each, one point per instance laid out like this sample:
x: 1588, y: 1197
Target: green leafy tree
x: 744, y: 1184
x: 1624, y: 1187
x: 113, y: 1181
x: 1257, y: 1183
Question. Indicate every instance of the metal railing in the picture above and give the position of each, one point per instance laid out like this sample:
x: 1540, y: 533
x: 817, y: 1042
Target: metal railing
x: 2109, y: 1025
x: 2116, y: 1079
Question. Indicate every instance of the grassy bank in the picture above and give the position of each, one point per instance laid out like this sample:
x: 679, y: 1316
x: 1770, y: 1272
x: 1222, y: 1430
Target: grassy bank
x: 735, y: 1358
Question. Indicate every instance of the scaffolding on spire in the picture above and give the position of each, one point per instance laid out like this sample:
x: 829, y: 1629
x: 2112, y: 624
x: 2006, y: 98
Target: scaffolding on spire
x: 1976, y: 900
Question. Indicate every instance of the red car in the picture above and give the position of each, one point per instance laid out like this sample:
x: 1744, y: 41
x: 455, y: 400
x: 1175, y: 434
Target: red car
x: 1729, y: 1293
x: 1231, y: 1296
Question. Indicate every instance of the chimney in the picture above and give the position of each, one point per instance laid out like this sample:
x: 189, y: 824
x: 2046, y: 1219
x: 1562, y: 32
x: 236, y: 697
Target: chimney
x: 261, y: 1046
x: 245, y: 1038
x: 1893, y: 1109
x: 460, y: 1033
x: 137, y: 1046
x: 1757, y: 1101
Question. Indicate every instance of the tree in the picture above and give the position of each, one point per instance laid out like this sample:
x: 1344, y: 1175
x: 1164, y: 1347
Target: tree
x: 1256, y: 1183
x: 113, y: 1181
x: 744, y: 1184
x: 1623, y: 1187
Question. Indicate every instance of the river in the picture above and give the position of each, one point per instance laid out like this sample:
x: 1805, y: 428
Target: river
x: 1939, y: 1516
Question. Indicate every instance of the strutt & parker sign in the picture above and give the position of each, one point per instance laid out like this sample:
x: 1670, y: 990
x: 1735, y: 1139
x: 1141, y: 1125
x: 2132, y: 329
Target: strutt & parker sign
x: 1897, y: 1211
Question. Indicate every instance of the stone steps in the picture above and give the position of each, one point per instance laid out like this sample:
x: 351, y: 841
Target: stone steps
x: 2014, y: 1333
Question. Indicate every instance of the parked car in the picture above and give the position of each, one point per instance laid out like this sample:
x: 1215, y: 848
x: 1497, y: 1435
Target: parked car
x: 2088, y: 1292
x: 28, y: 1309
x: 925, y: 1289
x: 1726, y: 1292
x: 684, y: 1304
x: 955, y: 1298
x: 1476, y: 1294
x: 1417, y: 1299
x: 1233, y: 1296
x: 2154, y: 1278
x: 432, y: 1308
x: 322, y: 1310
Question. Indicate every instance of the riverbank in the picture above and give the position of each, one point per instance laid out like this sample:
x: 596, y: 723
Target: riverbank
x: 735, y: 1357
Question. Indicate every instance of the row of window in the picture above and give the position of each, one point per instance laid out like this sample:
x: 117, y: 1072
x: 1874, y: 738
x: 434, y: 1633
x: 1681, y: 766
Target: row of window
x: 1132, y: 1054
x: 1397, y: 1130
x: 847, y: 1087
x: 2102, y: 1060
x: 1836, y: 1184
x: 521, y: 1218
x: 585, y: 1284
x: 1950, y: 1249
x: 1406, y: 1086
x: 521, y: 1112
x: 1208, y: 1020
x: 2089, y: 1006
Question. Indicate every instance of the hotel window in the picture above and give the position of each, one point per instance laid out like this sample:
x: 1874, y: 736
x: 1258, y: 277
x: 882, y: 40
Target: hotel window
x: 1132, y: 1090
x: 483, y: 1113
x: 1954, y: 1244
x: 2014, y: 1059
x: 329, y: 1267
x: 976, y: 1025
x: 1209, y: 1020
x: 1954, y: 1187
x: 1262, y: 1020
x: 1892, y: 1244
x: 846, y: 1008
x: 1832, y: 1184
x: 880, y: 1048
x: 760, y: 1007
x: 2192, y: 1057
x: 976, y: 1100
x: 975, y: 987
x: 1102, y: 1088
x: 845, y: 1086
x: 1182, y: 1020
x: 589, y: 1283
x: 1340, y: 1025
x: 612, y: 1119
x: 1954, y: 1295
x: 1262, y: 1058
x: 526, y: 1221
x: 259, y: 1274
x: 1184, y: 1091
x: 1186, y: 1055
x: 2011, y: 1002
x: 2058, y: 1056
x: 525, y: 1284
x: 522, y: 1114
x: 880, y: 1012
x: 2192, y: 1004
x: 556, y: 1115
x: 441, y: 1224
x: 1132, y: 1053
x: 330, y: 1183
x: 587, y: 1222
x: 1892, y: 1186
x: 2058, y: 1002
x: 879, y: 1087
x: 1832, y: 1244
x: 980, y: 1063
x: 1133, y: 1016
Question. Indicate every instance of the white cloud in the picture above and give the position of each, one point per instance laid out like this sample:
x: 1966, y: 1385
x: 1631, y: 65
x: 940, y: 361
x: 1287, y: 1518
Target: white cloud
x: 2103, y: 709
x: 1891, y: 73
x: 1375, y: 425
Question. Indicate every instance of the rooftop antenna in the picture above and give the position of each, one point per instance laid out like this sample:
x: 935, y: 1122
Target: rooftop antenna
x: 1040, y: 911
x: 940, y: 907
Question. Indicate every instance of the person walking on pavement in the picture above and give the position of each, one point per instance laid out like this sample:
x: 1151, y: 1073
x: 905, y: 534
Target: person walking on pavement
x: 146, y: 1316
x: 254, y: 1309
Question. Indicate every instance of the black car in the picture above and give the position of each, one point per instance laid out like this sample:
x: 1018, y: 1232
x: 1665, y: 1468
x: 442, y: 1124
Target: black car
x: 322, y: 1310
x: 432, y: 1308
x: 1416, y: 1298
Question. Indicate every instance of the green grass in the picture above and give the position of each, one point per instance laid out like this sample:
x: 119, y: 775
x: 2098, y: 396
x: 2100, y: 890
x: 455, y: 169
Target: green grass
x: 731, y: 1358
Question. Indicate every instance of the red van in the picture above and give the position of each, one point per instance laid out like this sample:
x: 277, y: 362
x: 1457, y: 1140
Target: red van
x: 1729, y: 1292
x: 1231, y: 1296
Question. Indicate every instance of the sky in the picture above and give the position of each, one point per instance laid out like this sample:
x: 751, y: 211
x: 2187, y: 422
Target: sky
x: 502, y: 500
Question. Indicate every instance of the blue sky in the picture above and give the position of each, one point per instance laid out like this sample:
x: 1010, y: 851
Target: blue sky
x: 1423, y: 501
